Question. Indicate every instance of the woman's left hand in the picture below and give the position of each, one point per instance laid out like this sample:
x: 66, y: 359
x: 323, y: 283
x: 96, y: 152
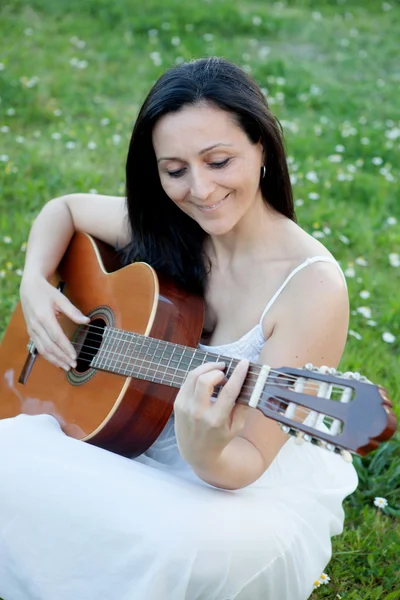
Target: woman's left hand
x: 203, y: 427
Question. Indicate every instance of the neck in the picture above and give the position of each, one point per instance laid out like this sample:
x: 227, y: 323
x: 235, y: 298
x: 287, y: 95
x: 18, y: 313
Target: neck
x: 133, y: 355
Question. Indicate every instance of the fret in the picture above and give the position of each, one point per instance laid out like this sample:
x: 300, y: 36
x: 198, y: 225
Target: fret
x: 103, y: 348
x: 157, y: 363
x: 138, y: 345
x: 150, y: 354
x: 116, y: 358
x: 177, y: 364
x: 126, y: 358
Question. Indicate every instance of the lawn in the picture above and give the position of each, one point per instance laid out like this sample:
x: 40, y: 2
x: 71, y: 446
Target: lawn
x: 72, y: 77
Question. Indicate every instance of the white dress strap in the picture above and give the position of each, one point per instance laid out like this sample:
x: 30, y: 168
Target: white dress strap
x: 308, y: 261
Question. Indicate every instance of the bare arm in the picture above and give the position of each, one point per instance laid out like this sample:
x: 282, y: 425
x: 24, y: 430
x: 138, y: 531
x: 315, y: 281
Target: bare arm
x: 103, y: 217
x: 312, y: 327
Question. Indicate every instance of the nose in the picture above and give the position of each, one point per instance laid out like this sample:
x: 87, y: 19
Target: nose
x: 201, y: 184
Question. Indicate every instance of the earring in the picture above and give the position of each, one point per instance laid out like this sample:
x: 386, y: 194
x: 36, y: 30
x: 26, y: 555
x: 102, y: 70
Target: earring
x: 263, y: 171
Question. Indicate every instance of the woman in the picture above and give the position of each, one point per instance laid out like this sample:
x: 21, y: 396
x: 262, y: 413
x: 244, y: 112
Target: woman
x: 223, y: 505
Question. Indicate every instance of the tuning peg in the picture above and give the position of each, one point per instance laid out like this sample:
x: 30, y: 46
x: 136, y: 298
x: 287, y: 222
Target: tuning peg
x: 345, y: 454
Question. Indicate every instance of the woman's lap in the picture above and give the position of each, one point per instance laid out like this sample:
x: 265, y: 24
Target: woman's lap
x: 76, y: 521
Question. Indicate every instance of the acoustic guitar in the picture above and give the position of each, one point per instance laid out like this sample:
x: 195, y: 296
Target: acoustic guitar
x: 136, y: 352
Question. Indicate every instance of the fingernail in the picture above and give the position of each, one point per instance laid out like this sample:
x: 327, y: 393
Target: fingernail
x: 73, y: 363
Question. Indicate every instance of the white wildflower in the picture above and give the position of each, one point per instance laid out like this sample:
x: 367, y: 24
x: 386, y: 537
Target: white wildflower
x: 339, y: 148
x: 92, y: 145
x: 70, y: 145
x: 313, y: 196
x: 372, y: 323
x: 324, y: 578
x: 93, y: 191
x: 393, y: 134
x: 10, y: 112
x: 364, y: 294
x: 377, y: 160
x: 388, y: 337
x: 361, y: 261
x: 4, y: 129
x: 335, y: 158
x: 156, y: 58
x: 56, y: 135
x: 365, y: 311
x: 312, y: 176
x: 208, y: 37
x: 344, y: 239
x: 3, y: 158
x: 355, y: 334
x: 116, y: 138
x: 256, y: 21
x: 299, y: 202
x: 380, y: 502
x: 316, y: 16
x: 175, y: 41
x: 105, y: 121
x: 394, y: 259
x: 7, y: 239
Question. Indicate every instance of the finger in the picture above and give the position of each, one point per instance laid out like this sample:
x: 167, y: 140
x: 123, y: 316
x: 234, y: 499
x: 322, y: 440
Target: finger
x: 69, y: 310
x: 48, y: 349
x: 231, y: 390
x: 191, y: 379
x: 205, y: 385
x: 58, y: 337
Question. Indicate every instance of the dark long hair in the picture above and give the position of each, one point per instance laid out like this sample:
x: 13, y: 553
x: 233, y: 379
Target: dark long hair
x: 162, y: 234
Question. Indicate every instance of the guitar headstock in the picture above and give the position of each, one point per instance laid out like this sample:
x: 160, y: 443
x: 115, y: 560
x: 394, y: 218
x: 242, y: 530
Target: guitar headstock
x: 341, y: 412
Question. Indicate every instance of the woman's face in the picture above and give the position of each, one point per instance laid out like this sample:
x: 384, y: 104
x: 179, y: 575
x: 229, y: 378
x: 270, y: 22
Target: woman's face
x: 208, y: 166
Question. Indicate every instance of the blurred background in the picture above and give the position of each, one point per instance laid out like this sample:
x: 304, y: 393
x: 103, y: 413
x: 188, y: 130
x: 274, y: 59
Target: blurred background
x: 73, y: 74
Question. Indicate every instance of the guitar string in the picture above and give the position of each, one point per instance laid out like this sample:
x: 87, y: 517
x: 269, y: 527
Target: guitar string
x: 300, y: 410
x: 113, y: 354
x: 280, y: 382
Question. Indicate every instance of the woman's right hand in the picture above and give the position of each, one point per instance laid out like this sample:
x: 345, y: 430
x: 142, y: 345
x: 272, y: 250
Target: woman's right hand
x: 42, y: 303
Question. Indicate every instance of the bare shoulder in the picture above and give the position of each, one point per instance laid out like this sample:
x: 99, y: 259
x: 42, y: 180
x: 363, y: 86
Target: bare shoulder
x: 102, y: 216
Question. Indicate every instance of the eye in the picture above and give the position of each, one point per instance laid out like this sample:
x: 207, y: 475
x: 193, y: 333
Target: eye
x: 219, y: 165
x: 177, y: 173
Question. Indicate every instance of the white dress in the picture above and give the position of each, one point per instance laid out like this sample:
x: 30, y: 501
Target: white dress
x: 80, y: 523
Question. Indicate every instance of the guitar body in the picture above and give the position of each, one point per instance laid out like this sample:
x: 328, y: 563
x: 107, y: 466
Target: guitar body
x: 121, y: 414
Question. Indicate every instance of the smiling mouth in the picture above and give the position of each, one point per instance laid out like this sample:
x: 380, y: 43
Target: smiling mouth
x: 212, y: 207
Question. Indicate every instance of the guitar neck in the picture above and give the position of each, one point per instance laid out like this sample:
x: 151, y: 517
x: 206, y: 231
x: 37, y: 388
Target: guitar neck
x: 134, y: 355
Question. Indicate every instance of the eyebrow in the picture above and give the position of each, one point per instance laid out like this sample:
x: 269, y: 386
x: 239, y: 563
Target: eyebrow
x: 200, y: 153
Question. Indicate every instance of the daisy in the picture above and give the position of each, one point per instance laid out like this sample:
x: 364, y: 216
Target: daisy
x: 380, y: 502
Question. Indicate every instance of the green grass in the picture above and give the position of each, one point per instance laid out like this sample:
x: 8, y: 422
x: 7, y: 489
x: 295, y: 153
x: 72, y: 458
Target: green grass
x: 330, y: 71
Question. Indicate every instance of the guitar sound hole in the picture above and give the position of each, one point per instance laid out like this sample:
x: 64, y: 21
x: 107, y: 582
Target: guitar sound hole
x: 88, y: 343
